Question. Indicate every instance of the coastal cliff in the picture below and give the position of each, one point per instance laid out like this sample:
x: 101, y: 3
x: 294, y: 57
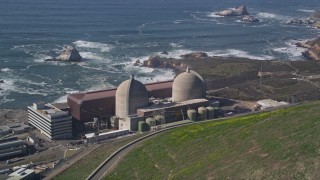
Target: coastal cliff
x: 313, y: 47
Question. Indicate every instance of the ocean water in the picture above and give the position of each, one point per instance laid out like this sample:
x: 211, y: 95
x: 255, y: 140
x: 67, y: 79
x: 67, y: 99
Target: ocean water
x: 111, y: 35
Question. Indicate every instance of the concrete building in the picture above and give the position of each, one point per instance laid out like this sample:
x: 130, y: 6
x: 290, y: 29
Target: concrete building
x: 12, y: 148
x: 133, y: 101
x: 51, y: 121
x: 188, y: 85
x: 130, y: 95
x: 188, y: 92
x: 87, y: 105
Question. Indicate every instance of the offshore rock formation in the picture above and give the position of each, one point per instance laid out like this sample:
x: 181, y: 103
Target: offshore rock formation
x: 163, y: 62
x: 159, y: 62
x: 238, y: 11
x: 313, y: 47
x: 299, y: 21
x: 69, y: 54
x: 250, y: 19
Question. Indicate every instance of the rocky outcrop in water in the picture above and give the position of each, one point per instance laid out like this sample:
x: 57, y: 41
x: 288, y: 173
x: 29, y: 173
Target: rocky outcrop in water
x: 299, y: 21
x: 238, y: 11
x: 1, y: 81
x: 69, y: 54
x: 156, y: 62
x: 313, y: 47
x: 195, y: 55
x: 165, y: 52
x: 161, y: 62
x: 250, y: 19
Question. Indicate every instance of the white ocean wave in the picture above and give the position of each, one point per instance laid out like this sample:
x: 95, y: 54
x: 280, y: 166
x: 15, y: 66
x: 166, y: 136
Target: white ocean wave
x: 307, y: 10
x: 238, y: 53
x: 157, y: 75
x: 93, y: 45
x: 41, y: 57
x: 64, y: 98
x: 61, y: 99
x: 291, y: 50
x: 6, y: 69
x: 175, y: 53
x: 213, y: 15
x: 272, y: 16
x: 176, y: 45
x: 91, y: 55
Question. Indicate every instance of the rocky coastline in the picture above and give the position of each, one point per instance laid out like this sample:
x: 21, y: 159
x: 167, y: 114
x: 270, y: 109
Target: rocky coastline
x: 313, y: 48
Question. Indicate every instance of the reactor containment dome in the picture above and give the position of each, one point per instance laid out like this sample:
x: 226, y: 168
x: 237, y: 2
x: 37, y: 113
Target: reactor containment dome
x: 188, y: 85
x: 130, y: 95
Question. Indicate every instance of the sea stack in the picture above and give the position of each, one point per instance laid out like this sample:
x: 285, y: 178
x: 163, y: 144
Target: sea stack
x: 238, y: 11
x: 69, y: 54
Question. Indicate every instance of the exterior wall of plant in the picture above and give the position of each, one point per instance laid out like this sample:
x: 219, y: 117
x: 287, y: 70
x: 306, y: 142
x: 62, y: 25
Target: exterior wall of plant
x: 175, y: 112
x: 88, y: 105
x: 53, y: 124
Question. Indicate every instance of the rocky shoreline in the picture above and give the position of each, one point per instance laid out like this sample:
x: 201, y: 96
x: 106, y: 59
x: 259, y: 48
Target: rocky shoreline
x: 313, y: 49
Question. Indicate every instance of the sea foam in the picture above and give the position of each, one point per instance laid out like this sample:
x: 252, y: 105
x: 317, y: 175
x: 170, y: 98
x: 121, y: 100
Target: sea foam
x: 93, y: 45
x: 238, y: 53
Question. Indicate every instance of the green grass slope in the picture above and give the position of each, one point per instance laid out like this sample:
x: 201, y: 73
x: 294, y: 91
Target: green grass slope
x: 283, y: 144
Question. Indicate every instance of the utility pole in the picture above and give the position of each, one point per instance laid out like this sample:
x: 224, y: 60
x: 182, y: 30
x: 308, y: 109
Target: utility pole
x: 260, y: 74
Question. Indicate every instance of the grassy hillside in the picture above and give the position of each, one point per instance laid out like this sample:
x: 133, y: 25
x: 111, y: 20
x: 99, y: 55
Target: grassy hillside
x: 284, y: 144
x: 82, y: 168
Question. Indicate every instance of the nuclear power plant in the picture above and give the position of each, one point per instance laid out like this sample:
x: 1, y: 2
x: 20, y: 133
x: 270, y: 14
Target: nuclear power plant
x: 133, y: 106
x: 136, y: 106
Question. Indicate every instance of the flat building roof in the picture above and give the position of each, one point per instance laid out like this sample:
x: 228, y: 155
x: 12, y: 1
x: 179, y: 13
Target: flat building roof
x: 156, y: 107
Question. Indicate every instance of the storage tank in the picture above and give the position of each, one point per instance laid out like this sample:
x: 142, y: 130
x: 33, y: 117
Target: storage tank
x: 211, y: 112
x: 188, y: 85
x: 142, y: 126
x: 192, y: 114
x: 159, y: 119
x: 150, y: 122
x: 202, y: 111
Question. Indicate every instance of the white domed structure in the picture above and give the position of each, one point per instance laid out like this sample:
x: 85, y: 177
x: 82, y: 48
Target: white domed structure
x: 188, y: 85
x: 130, y: 95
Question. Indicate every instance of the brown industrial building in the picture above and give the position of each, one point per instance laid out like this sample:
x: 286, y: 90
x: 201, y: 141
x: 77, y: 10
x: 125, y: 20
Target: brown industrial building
x: 132, y: 103
x: 87, y: 105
